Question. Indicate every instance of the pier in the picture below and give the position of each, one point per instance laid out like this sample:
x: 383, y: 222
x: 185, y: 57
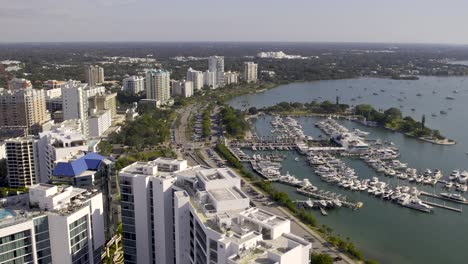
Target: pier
x: 327, y: 196
x: 444, y: 206
x: 442, y: 198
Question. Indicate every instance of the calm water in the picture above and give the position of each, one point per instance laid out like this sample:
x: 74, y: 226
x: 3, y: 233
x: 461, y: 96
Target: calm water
x: 382, y: 230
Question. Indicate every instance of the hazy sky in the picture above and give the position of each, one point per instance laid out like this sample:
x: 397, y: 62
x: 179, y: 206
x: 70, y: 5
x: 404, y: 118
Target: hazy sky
x: 430, y: 21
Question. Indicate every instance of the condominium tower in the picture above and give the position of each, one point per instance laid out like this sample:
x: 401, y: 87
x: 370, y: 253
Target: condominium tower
x: 94, y: 75
x: 134, y: 84
x: 216, y: 65
x: 158, y: 85
x: 52, y: 224
x: 196, y: 77
x: 175, y: 214
x: 23, y: 108
x: 22, y: 161
x: 250, y: 71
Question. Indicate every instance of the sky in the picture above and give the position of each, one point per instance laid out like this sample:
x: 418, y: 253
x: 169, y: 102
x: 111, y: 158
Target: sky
x: 389, y: 21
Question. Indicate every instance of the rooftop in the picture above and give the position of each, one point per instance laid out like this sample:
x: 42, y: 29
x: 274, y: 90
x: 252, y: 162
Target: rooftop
x: 90, y: 161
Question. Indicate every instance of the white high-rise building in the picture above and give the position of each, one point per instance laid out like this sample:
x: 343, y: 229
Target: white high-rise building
x: 158, y: 85
x: 94, y: 75
x: 182, y: 88
x: 196, y: 77
x: 231, y: 77
x: 22, y: 161
x: 216, y: 65
x: 57, y: 144
x: 175, y: 214
x: 250, y: 72
x: 134, y: 84
x: 209, y: 79
x: 52, y: 224
x: 99, y: 122
x: 75, y: 102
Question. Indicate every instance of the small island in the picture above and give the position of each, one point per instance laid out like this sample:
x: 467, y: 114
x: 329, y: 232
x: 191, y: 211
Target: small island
x: 365, y: 114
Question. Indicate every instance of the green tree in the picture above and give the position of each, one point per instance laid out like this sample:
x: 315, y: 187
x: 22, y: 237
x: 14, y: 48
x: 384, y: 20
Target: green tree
x: 423, y: 122
x: 321, y: 259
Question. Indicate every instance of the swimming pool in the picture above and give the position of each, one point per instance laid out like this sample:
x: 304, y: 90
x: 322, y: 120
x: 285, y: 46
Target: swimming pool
x: 6, y: 213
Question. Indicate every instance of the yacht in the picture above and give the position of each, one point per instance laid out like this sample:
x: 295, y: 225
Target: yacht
x: 454, y: 175
x: 448, y: 185
x: 417, y: 204
x: 453, y: 196
x: 463, y: 177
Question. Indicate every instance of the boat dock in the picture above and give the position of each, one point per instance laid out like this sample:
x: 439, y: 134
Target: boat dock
x: 442, y: 198
x: 328, y: 196
x: 444, y: 206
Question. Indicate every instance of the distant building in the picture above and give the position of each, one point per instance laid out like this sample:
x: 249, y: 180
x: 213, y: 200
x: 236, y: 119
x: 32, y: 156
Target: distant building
x: 52, y: 224
x: 104, y: 101
x: 76, y: 104
x: 196, y: 77
x: 158, y: 85
x: 92, y: 170
x: 17, y: 83
x: 172, y: 213
x: 53, y: 84
x: 250, y: 72
x: 94, y: 75
x: 134, y: 84
x: 99, y: 122
x: 209, y: 79
x: 182, y: 88
x: 231, y: 77
x: 216, y: 65
x: 22, y: 161
x: 25, y: 108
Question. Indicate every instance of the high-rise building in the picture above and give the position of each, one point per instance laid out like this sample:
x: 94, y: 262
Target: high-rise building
x: 17, y: 83
x: 231, y: 77
x: 92, y: 170
x: 104, y: 101
x: 158, y: 85
x: 250, y: 72
x: 99, y: 121
x: 94, y: 75
x: 22, y: 161
x: 23, y: 108
x: 209, y: 79
x: 216, y: 65
x: 57, y: 144
x: 52, y: 224
x: 196, y: 77
x: 134, y: 84
x: 182, y: 88
x: 76, y: 104
x: 176, y: 214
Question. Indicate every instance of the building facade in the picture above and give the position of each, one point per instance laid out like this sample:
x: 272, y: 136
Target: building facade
x: 22, y: 161
x: 216, y: 65
x: 158, y: 85
x: 182, y: 88
x: 92, y: 170
x: 209, y: 79
x: 134, y: 84
x: 94, y: 75
x: 53, y: 224
x: 25, y: 108
x: 250, y: 72
x: 175, y: 214
x: 231, y: 77
x: 104, y: 101
x: 99, y: 122
x: 196, y: 77
x: 57, y: 144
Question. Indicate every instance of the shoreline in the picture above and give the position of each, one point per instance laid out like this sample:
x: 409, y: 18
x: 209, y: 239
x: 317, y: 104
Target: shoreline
x: 441, y: 142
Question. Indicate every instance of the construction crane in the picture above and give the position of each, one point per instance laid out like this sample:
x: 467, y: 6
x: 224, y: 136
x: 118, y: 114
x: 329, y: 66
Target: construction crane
x: 5, y: 76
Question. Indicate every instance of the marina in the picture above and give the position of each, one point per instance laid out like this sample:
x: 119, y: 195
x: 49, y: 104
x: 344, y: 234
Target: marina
x: 373, y: 221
